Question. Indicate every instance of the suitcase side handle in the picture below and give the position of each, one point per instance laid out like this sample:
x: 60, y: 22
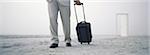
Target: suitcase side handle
x: 76, y: 12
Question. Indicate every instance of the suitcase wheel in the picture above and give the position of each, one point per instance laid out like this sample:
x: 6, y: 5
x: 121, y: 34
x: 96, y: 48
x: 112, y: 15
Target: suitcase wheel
x: 88, y: 42
x: 81, y: 42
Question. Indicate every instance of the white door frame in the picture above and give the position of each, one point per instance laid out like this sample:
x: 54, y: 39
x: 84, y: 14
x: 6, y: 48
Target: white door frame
x: 121, y: 32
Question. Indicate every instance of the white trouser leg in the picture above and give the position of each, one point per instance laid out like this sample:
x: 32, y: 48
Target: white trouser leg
x: 65, y: 17
x: 53, y: 14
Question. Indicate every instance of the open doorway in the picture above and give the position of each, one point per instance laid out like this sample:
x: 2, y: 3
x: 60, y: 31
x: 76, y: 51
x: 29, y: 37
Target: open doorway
x: 122, y: 24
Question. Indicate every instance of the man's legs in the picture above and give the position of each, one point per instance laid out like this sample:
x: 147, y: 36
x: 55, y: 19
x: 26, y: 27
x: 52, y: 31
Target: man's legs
x: 53, y: 14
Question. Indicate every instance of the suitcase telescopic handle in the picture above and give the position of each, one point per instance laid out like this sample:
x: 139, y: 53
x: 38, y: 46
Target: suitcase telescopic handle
x: 76, y: 12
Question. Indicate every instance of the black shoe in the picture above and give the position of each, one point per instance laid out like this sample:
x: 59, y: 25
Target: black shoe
x: 68, y: 44
x: 54, y: 45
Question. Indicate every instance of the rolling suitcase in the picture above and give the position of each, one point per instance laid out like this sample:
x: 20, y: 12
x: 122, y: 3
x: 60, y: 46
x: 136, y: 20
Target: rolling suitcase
x: 83, y: 29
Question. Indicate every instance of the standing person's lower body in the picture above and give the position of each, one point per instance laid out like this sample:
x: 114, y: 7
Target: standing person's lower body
x: 64, y: 7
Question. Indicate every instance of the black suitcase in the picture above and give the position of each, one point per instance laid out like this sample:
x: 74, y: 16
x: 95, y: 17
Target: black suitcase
x: 83, y: 29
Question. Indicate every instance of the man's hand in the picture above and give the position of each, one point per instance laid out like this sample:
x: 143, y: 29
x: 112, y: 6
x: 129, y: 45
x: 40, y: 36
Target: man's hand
x: 77, y: 2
